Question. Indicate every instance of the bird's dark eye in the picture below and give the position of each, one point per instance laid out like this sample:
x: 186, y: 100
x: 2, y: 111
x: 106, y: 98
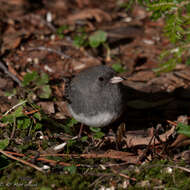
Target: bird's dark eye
x: 101, y: 79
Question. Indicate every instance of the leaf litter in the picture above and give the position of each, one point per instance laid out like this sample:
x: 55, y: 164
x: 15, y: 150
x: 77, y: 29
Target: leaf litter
x: 30, y: 44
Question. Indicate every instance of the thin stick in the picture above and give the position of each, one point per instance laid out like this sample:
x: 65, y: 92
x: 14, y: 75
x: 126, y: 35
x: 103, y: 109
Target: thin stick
x: 181, y: 168
x: 15, y: 106
x: 2, y: 66
x: 22, y: 161
x: 53, y: 162
x: 49, y: 50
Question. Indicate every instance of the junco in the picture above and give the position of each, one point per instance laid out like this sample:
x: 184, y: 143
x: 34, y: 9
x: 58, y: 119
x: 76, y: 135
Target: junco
x: 95, y: 96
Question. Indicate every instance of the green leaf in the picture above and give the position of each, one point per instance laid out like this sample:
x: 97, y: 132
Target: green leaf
x: 99, y: 135
x: 61, y: 29
x: 46, y: 92
x: 4, y: 143
x: 29, y: 77
x: 183, y: 129
x: 8, y: 119
x: 11, y: 117
x: 97, y: 38
x: 71, y: 122
x: 38, y: 126
x: 18, y: 112
x: 44, y: 79
x: 84, y: 139
x: 118, y: 68
x: 80, y: 40
x: 23, y: 123
x: 95, y: 129
x: 38, y: 116
x: 71, y: 169
x: 187, y: 61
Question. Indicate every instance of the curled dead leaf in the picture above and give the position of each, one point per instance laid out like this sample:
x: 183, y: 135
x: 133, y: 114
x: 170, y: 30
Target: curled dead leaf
x: 98, y: 14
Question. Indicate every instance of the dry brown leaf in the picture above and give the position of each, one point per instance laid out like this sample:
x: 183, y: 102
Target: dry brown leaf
x: 14, y: 2
x: 12, y: 39
x: 10, y: 42
x: 143, y: 76
x: 181, y: 140
x: 48, y: 107
x: 133, y: 140
x: 114, y: 154
x: 82, y: 3
x: 98, y: 14
x: 13, y: 71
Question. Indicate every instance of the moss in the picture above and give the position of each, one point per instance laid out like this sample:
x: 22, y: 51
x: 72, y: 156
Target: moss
x: 157, y: 175
x: 23, y: 178
x: 154, y: 173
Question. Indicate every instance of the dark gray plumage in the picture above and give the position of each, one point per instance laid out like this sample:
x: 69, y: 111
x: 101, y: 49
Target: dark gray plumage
x: 95, y: 96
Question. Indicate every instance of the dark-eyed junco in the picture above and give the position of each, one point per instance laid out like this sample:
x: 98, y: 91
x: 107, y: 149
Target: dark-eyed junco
x: 95, y: 96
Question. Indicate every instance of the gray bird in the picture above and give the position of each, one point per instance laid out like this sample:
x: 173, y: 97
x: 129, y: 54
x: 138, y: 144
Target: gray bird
x: 95, y: 96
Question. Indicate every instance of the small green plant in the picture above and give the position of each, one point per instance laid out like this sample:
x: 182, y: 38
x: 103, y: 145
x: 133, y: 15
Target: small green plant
x: 38, y: 83
x: 71, y: 169
x: 97, y: 38
x: 80, y: 40
x: 176, y: 14
x: 60, y: 31
x: 183, y: 129
x: 97, y: 133
x: 118, y: 68
x: 69, y: 124
x: 20, y: 120
x: 94, y: 40
x: 4, y: 143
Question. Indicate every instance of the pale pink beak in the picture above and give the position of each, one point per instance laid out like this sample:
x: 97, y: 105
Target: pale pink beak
x: 115, y: 80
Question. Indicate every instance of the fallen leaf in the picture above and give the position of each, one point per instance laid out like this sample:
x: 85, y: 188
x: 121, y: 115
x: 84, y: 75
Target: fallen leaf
x: 98, y: 14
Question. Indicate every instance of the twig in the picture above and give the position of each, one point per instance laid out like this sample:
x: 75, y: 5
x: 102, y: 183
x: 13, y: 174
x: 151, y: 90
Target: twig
x: 142, y: 157
x: 22, y: 161
x: 48, y: 24
x: 15, y: 106
x: 97, y: 181
x: 31, y: 112
x: 52, y: 162
x: 14, y: 153
x: 172, y: 123
x: 13, y: 130
x: 127, y: 157
x: 49, y: 50
x: 181, y: 168
x: 2, y: 66
x: 127, y: 177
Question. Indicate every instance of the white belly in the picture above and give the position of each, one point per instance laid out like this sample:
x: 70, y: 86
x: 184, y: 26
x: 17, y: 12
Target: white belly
x: 100, y: 120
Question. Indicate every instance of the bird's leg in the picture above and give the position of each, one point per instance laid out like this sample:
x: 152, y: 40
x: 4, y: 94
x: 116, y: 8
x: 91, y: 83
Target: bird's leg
x: 80, y: 131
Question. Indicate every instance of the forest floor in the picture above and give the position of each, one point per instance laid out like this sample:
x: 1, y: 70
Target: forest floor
x: 43, y: 42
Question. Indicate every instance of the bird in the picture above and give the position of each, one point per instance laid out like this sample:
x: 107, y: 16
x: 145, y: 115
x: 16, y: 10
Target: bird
x: 95, y: 96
